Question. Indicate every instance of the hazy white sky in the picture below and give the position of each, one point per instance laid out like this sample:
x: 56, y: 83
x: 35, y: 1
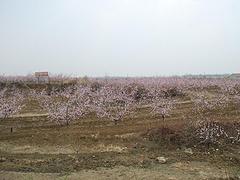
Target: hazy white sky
x: 120, y: 37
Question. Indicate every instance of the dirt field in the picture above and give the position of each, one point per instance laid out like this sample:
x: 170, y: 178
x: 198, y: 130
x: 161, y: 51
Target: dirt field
x: 97, y: 149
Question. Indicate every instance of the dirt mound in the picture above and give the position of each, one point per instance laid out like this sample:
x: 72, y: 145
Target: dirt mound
x: 165, y: 135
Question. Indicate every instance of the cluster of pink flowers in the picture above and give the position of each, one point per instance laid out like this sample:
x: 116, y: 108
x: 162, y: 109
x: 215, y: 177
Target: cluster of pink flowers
x: 208, y: 128
x: 211, y: 132
x: 113, y: 102
x: 10, y: 102
x: 205, y: 103
x: 66, y: 105
x: 160, y: 105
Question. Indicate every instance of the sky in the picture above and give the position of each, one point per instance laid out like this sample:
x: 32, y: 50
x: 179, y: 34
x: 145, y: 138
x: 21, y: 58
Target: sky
x: 120, y: 37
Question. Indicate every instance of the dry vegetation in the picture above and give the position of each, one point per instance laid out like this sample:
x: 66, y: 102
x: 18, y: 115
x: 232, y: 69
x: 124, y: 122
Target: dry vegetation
x: 93, y: 148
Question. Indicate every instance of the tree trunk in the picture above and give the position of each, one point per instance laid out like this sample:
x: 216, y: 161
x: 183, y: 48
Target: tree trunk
x: 67, y: 119
x: 163, y: 118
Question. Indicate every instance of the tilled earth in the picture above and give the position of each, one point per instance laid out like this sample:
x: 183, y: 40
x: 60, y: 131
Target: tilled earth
x: 97, y: 149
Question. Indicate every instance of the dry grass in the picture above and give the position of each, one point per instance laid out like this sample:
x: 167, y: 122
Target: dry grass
x: 39, y: 146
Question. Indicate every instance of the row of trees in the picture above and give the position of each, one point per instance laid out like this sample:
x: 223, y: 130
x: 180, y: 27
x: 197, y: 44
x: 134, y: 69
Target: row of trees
x: 201, y: 82
x: 112, y: 101
x: 115, y: 99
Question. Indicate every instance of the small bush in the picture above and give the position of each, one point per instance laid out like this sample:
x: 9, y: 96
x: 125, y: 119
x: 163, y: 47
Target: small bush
x: 212, y: 133
x: 95, y: 86
x: 173, y: 92
x: 165, y: 135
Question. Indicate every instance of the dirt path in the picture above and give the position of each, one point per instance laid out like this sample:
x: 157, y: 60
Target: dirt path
x: 178, y: 171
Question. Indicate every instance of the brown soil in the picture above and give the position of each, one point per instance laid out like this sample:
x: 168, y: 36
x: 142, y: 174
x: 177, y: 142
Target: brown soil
x: 92, y: 148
